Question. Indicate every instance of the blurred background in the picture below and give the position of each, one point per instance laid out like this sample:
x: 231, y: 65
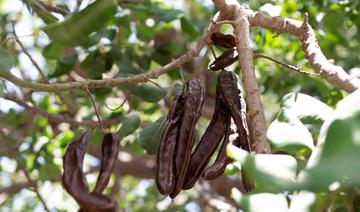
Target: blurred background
x: 36, y: 127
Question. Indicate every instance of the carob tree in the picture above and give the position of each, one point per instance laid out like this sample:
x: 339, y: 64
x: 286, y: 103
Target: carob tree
x: 84, y: 33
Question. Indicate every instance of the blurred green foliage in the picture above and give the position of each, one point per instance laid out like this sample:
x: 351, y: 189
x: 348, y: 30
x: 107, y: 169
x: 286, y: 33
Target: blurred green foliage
x: 102, y: 40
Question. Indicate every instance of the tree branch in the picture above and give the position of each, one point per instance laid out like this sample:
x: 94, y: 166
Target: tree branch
x: 57, y: 118
x: 332, y: 73
x: 242, y: 19
x: 54, y: 87
x: 255, y: 110
x: 54, y: 9
x: 233, y: 11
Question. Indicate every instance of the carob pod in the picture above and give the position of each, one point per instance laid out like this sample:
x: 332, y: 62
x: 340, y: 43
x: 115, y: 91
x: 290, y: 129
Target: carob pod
x: 222, y: 160
x: 235, y: 102
x: 194, y: 99
x: 208, y: 142
x: 222, y: 40
x: 74, y: 180
x: 229, y: 57
x: 165, y: 158
x: 110, y: 149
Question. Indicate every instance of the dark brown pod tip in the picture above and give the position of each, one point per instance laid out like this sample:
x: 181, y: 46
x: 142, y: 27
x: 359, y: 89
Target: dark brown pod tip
x: 92, y: 202
x: 110, y: 149
x: 222, y: 160
x: 192, y: 111
x: 229, y: 57
x: 73, y: 178
x: 222, y: 40
x: 165, y: 158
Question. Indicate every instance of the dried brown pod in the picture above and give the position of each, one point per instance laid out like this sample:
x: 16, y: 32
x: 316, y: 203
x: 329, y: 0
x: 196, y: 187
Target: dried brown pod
x: 194, y: 92
x: 110, y: 149
x: 208, y: 142
x: 218, y: 167
x: 222, y: 40
x: 222, y: 160
x: 165, y: 158
x: 235, y: 102
x: 74, y: 180
x: 229, y: 57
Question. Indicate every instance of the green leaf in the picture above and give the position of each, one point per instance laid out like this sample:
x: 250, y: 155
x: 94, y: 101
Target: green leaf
x: 49, y: 169
x: 339, y: 145
x: 188, y: 27
x: 53, y: 51
x: 94, y: 65
x: 2, y: 89
x: 260, y: 202
x: 232, y: 168
x: 105, y: 33
x: 125, y: 31
x: 130, y: 123
x: 126, y: 66
x: 149, y: 137
x: 270, y: 173
x: 144, y: 32
x: 308, y: 109
x: 101, y: 93
x: 76, y: 28
x: 288, y: 134
x: 149, y: 92
x: 64, y: 66
x: 165, y: 51
x: 7, y: 60
x: 176, y: 88
x: 169, y: 15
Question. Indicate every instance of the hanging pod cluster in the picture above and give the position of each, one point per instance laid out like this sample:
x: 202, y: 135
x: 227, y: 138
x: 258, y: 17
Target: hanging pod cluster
x: 177, y: 139
x: 74, y: 180
x: 178, y: 167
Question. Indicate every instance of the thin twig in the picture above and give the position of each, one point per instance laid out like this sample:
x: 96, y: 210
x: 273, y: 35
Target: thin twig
x: 27, y: 175
x: 96, y: 109
x: 43, y: 76
x: 212, y: 51
x: 182, y: 76
x: 114, y: 82
x: 10, y: 38
x: 54, y: 118
x: 54, y: 9
x: 122, y: 103
x: 28, y: 55
x: 36, y: 190
x: 156, y: 84
x: 289, y: 66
